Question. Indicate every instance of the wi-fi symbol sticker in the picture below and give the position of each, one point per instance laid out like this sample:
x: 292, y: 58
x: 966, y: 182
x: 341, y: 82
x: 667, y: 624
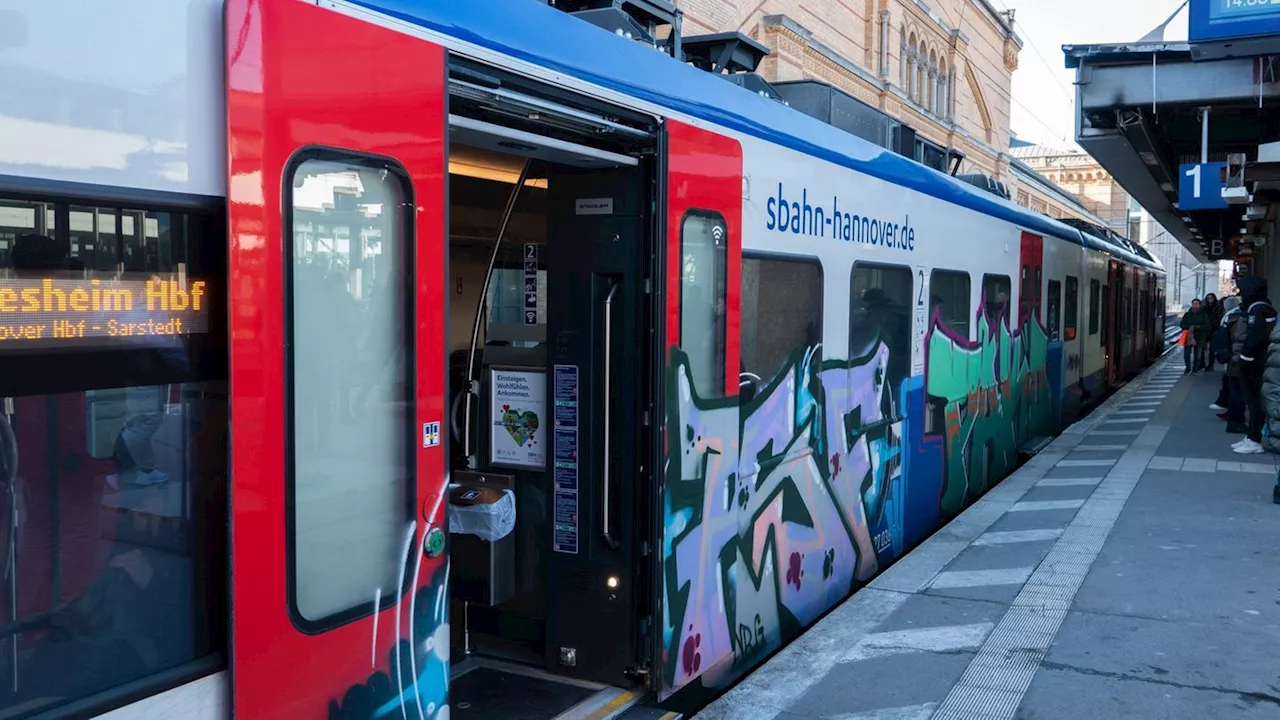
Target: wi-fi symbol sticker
x: 717, y: 232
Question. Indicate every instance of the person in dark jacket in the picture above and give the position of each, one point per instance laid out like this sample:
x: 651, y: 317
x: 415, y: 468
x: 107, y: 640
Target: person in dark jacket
x: 1227, y: 341
x: 1259, y: 318
x: 1196, y: 322
x: 1215, y: 310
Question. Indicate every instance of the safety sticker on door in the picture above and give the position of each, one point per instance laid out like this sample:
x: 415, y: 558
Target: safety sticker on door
x: 430, y: 434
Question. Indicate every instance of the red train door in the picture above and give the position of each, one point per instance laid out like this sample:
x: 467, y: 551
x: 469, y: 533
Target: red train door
x: 336, y: 131
x: 704, y: 375
x: 1031, y: 282
x: 1111, y: 314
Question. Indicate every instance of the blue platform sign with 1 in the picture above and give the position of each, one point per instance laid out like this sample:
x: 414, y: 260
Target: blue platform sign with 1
x: 1200, y: 186
x: 530, y: 284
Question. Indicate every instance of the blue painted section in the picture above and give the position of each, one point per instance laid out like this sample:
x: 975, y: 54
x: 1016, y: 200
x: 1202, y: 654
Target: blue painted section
x: 539, y: 34
x: 923, y: 466
x: 1053, y: 368
x: 1200, y: 186
x: 1217, y: 20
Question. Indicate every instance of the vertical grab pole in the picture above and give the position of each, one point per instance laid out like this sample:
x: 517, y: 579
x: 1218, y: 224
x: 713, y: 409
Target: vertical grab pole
x: 607, y: 531
x: 471, y: 390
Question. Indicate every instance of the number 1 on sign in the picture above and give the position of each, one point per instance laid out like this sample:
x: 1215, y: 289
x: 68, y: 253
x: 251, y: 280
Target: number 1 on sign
x: 1194, y: 174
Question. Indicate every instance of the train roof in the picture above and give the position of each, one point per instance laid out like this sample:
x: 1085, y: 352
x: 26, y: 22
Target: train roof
x: 539, y: 34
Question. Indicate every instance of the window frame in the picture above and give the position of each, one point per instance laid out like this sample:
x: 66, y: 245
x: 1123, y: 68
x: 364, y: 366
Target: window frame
x: 774, y: 256
x: 907, y: 312
x: 715, y: 389
x: 1095, y: 306
x: 968, y: 295
x: 59, y: 371
x: 1054, y: 309
x: 1009, y: 307
x: 1071, y: 304
x: 408, y: 236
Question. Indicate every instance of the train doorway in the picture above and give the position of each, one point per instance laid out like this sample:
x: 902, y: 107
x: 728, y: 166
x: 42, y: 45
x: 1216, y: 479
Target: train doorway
x: 550, y: 497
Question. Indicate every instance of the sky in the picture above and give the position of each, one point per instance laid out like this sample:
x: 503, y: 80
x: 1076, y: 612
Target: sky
x: 1043, y: 90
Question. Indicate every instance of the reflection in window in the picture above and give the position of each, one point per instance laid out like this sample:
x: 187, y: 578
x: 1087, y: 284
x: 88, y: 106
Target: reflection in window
x: 1055, y: 303
x: 949, y: 299
x: 115, y: 449
x: 1095, y: 301
x: 703, y: 250
x: 1072, y: 308
x: 880, y: 313
x: 351, y: 406
x: 781, y: 313
x: 995, y: 298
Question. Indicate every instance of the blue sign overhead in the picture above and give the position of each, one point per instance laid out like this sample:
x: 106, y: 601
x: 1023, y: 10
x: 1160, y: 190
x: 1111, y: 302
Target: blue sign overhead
x: 1214, y: 20
x: 1200, y: 186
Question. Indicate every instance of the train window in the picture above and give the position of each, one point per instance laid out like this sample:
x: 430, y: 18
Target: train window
x: 704, y: 254
x: 781, y: 312
x: 1072, y: 308
x: 949, y: 298
x: 1095, y: 300
x: 995, y: 298
x: 113, y: 448
x: 349, y: 476
x: 1055, y: 303
x: 880, y: 315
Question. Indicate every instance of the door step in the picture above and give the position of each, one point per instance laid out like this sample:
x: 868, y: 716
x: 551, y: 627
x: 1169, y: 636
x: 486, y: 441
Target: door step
x: 1035, y: 445
x: 607, y: 704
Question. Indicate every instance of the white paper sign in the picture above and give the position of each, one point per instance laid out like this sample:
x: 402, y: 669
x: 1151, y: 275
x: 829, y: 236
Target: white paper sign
x: 518, y: 425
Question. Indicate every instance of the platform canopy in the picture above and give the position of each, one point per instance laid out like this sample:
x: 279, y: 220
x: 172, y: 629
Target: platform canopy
x: 1140, y: 111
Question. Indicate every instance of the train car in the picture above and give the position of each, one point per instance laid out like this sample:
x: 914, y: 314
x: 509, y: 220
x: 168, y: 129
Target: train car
x: 400, y: 359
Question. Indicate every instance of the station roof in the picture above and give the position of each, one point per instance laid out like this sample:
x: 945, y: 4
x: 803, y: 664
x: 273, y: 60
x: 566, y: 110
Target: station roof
x: 1138, y: 109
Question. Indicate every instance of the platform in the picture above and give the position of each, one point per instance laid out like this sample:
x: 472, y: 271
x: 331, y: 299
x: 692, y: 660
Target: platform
x: 1130, y: 570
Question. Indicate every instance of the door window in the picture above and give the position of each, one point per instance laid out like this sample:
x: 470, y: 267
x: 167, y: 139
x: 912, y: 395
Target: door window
x: 350, y: 404
x: 704, y: 256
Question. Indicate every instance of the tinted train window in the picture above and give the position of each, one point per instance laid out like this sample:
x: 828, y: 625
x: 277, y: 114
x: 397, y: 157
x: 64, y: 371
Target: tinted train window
x: 949, y: 297
x: 1095, y: 300
x: 881, y: 315
x: 349, y: 390
x: 704, y: 250
x: 1072, y: 307
x: 1055, y: 303
x: 995, y: 298
x: 781, y: 312
x: 113, y: 442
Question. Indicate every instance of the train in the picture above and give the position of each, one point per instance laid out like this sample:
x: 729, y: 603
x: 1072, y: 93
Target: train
x: 405, y: 359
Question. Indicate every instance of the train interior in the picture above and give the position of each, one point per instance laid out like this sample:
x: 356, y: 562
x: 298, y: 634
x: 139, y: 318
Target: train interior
x: 546, y: 516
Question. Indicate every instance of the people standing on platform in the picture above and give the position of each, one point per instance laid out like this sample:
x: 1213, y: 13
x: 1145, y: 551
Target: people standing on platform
x: 1214, y: 309
x: 1227, y: 342
x: 1196, y: 322
x: 1260, y: 319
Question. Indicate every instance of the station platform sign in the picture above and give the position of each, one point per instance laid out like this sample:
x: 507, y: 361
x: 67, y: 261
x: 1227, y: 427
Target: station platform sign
x: 1234, y: 28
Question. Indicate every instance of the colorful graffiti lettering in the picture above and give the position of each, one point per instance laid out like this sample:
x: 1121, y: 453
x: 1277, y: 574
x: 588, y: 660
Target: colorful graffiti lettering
x: 777, y: 509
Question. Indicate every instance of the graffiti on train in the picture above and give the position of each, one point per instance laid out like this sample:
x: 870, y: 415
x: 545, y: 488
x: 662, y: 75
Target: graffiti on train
x: 413, y: 679
x: 778, y: 508
x: 992, y: 396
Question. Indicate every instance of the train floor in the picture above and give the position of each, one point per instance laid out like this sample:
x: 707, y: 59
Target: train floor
x: 1130, y: 570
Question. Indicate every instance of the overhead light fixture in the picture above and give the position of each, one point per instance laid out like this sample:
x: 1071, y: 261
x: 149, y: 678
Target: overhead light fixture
x: 501, y: 175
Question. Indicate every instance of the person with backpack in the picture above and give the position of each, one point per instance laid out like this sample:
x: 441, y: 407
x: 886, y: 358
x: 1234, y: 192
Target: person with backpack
x: 1196, y: 324
x: 1259, y: 318
x: 1226, y: 343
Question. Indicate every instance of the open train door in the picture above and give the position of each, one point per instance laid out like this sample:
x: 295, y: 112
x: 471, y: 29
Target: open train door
x: 336, y: 130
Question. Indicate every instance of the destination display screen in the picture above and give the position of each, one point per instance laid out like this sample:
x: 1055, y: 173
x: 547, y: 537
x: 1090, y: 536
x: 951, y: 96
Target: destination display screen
x: 137, y: 308
x: 1240, y: 8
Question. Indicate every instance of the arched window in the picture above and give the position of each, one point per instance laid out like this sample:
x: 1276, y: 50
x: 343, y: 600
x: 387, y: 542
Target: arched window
x: 909, y: 86
x: 944, y: 103
x: 931, y: 101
